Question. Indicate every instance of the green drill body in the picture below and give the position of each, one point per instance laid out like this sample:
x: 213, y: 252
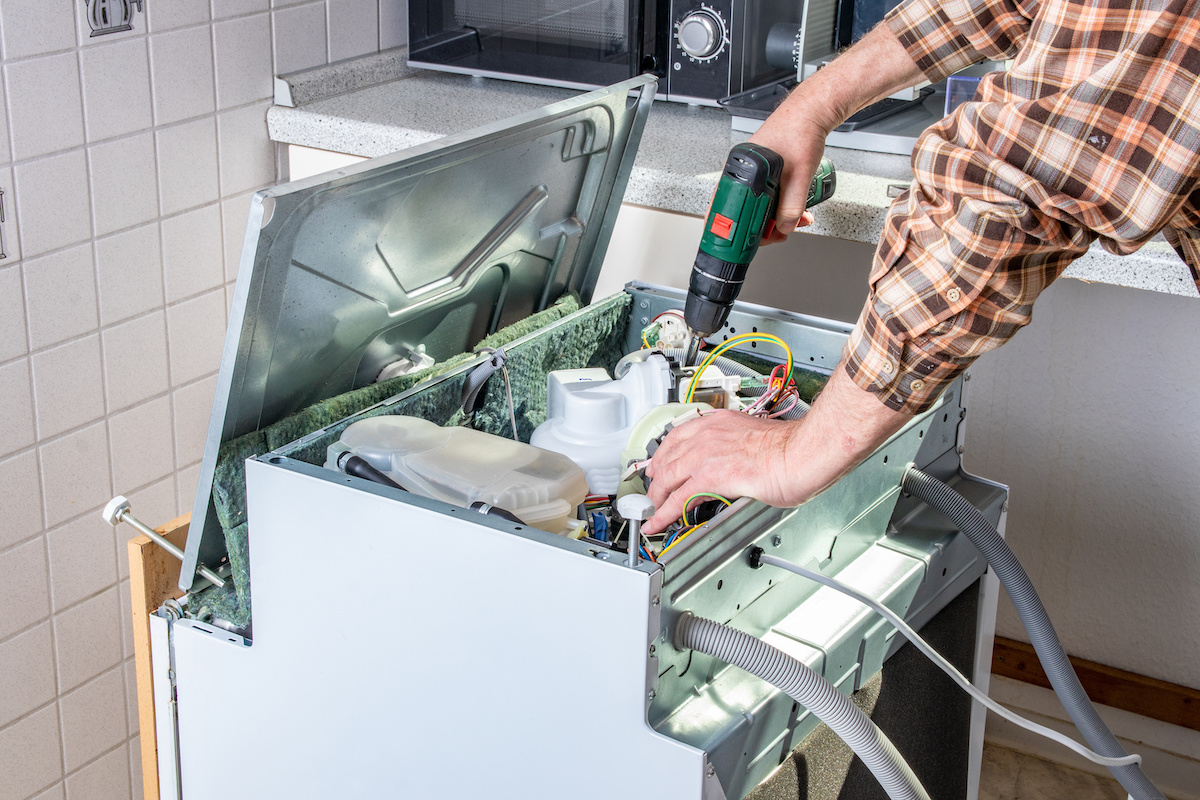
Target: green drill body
x: 742, y: 212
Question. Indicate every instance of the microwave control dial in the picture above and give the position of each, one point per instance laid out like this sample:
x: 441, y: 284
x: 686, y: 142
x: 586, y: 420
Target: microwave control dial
x: 701, y: 34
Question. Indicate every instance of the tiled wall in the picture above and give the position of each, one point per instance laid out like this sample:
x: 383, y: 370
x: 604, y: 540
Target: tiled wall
x: 127, y: 163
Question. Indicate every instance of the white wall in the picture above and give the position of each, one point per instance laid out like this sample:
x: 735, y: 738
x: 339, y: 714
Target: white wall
x: 126, y: 162
x: 1091, y: 414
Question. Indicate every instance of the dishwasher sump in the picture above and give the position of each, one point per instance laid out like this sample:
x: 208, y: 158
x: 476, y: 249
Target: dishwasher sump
x: 401, y: 646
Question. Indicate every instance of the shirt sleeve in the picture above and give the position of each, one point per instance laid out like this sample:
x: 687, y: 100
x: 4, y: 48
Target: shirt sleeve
x: 943, y: 36
x: 953, y: 278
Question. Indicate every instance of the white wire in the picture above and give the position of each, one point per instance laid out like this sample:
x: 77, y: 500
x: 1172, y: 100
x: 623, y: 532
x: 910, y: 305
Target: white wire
x: 512, y: 410
x: 949, y: 668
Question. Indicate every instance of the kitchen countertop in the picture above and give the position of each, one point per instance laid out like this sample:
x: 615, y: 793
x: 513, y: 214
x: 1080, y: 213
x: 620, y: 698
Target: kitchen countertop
x: 678, y: 160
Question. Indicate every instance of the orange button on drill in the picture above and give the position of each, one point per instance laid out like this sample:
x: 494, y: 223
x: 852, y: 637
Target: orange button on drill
x: 722, y: 226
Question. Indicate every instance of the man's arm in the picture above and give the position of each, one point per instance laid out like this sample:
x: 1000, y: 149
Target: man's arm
x: 779, y: 463
x: 872, y: 69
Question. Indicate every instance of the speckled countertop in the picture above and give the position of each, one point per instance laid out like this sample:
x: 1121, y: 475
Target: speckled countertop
x: 678, y: 160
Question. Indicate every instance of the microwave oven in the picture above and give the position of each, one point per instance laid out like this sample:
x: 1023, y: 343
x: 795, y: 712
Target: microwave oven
x: 700, y: 51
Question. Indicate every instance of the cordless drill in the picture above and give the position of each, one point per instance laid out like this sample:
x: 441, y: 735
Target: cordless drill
x: 742, y: 213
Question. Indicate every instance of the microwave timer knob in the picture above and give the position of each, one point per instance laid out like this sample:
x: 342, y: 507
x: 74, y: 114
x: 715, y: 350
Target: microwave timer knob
x: 701, y: 34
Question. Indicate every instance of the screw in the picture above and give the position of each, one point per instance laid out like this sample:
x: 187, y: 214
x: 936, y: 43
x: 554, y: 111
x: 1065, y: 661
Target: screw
x: 644, y: 304
x: 778, y: 540
x: 966, y: 376
x: 652, y: 649
x: 711, y: 770
x: 1004, y: 506
x: 962, y: 448
x: 651, y: 695
x: 645, y: 320
x: 655, y: 601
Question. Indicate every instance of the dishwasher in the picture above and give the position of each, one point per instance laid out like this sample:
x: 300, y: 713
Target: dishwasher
x: 371, y: 641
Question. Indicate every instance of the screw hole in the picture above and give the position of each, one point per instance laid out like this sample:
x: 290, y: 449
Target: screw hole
x: 885, y: 459
x: 719, y: 585
x: 754, y: 330
x: 769, y: 581
x: 754, y: 344
x: 518, y: 528
x: 732, y: 329
x: 943, y: 572
x: 920, y: 434
x: 739, y: 607
x: 945, y: 417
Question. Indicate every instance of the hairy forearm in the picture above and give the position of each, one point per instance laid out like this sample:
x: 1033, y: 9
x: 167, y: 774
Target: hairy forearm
x: 846, y: 424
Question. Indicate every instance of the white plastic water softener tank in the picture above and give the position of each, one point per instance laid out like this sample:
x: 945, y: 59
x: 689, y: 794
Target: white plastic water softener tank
x: 589, y: 415
x: 461, y: 466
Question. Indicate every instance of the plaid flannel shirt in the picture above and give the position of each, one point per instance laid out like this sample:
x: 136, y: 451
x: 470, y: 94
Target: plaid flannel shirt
x: 1094, y: 132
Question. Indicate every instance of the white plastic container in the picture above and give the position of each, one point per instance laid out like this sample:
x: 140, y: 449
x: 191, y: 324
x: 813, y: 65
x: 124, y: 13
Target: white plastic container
x: 461, y: 466
x: 589, y: 415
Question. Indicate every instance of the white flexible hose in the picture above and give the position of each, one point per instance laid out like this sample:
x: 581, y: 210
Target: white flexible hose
x: 946, y: 666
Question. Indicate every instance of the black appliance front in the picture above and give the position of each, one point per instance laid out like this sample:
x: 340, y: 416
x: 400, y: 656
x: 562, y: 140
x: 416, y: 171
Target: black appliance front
x: 702, y: 51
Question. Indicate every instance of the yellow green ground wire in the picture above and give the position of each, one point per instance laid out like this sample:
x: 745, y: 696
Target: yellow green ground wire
x: 730, y: 343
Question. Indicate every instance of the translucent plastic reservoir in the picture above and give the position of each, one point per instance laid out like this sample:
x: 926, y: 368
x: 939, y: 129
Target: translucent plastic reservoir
x: 461, y: 466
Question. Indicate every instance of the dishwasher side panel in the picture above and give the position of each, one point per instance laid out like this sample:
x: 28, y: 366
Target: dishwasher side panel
x: 401, y: 649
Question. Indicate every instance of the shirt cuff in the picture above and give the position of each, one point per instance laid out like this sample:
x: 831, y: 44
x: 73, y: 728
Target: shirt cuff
x: 901, y: 374
x: 934, y: 42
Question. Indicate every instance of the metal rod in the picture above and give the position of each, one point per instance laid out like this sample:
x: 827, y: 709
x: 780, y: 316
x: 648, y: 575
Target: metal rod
x: 635, y: 538
x: 157, y: 538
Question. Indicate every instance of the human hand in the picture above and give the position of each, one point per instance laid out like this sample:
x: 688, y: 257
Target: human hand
x: 801, y: 146
x: 725, y: 452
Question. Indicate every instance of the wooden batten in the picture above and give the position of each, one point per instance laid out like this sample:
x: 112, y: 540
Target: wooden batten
x: 1128, y: 691
x: 153, y: 579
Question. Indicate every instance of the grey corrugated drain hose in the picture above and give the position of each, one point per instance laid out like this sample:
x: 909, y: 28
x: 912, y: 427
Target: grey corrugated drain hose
x: 1037, y: 624
x: 808, y: 689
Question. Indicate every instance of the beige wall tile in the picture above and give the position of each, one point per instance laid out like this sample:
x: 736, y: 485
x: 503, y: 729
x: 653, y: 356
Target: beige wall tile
x: 242, y: 48
x: 135, y: 768
x: 140, y: 440
x: 196, y: 335
x: 193, y: 410
x: 247, y: 157
x: 129, y: 265
x: 182, y: 68
x: 60, y: 294
x: 13, y: 337
x: 166, y: 16
x: 45, y: 111
x: 83, y: 560
x: 187, y: 165
x: 124, y: 182
x: 68, y: 386
x: 116, y: 89
x: 235, y: 215
x: 106, y: 778
x: 30, y: 757
x: 27, y: 664
x: 353, y: 28
x: 16, y: 398
x: 299, y: 36
x: 87, y: 640
x: 53, y: 202
x: 93, y: 718
x: 135, y: 360
x: 75, y: 473
x: 31, y: 29
x: 193, y: 260
x: 232, y: 8
x: 23, y: 593
x: 22, y: 483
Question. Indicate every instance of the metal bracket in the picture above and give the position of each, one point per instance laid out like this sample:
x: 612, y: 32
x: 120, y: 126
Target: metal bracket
x: 2, y: 224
